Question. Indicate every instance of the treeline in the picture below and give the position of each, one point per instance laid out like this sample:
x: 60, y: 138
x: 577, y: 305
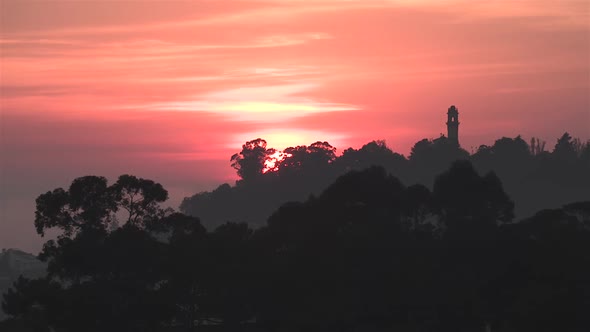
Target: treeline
x: 534, y: 177
x: 367, y: 254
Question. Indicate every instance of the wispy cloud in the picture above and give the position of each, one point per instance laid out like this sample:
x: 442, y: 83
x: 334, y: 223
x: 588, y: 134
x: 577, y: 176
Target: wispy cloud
x: 273, y: 104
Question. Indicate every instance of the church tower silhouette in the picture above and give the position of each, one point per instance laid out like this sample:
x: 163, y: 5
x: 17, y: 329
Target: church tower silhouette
x: 453, y: 125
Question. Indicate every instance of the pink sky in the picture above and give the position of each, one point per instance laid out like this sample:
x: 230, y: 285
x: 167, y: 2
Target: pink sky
x: 169, y: 90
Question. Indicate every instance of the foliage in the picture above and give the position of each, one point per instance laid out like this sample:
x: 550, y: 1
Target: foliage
x: 364, y: 251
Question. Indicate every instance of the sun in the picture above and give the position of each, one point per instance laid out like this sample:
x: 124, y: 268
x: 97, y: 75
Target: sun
x: 273, y: 161
x: 282, y: 138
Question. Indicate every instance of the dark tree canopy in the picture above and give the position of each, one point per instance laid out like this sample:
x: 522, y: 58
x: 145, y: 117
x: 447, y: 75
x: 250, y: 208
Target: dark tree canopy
x: 250, y: 162
x: 366, y: 241
x: 463, y: 196
x: 90, y: 204
x: 525, y: 171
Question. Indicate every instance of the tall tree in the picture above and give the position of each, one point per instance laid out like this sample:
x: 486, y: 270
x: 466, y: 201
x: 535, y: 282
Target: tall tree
x: 565, y: 148
x: 467, y: 200
x: 250, y: 162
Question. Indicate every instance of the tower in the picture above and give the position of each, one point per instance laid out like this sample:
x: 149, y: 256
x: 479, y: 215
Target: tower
x: 453, y: 124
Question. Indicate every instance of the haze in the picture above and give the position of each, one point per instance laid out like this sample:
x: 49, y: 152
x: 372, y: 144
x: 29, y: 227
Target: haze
x: 169, y: 90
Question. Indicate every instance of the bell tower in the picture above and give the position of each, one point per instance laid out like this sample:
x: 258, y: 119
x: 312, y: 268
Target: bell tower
x: 453, y: 125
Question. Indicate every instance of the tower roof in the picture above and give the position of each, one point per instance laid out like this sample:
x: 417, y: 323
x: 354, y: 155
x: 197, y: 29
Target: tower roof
x: 453, y: 110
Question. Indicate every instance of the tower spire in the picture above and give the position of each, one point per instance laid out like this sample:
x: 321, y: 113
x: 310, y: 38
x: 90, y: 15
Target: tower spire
x: 453, y: 124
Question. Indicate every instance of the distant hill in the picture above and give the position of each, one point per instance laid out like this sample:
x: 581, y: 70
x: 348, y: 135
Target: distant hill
x: 14, y: 263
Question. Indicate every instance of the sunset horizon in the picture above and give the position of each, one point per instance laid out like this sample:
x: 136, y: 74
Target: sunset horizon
x: 294, y: 165
x: 171, y: 90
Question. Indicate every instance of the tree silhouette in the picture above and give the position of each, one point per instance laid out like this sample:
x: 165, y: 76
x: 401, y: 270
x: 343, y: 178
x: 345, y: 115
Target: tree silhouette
x: 32, y: 302
x: 418, y: 205
x: 88, y: 204
x: 464, y: 197
x: 347, y: 245
x: 430, y: 157
x: 139, y: 197
x: 375, y: 153
x: 565, y: 149
x: 300, y: 171
x: 250, y: 162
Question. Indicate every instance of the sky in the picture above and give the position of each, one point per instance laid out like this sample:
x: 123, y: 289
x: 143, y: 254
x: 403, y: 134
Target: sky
x: 169, y: 90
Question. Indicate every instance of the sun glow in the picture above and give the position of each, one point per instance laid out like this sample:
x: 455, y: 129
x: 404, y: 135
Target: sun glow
x: 261, y: 103
x: 272, y: 163
x: 281, y: 139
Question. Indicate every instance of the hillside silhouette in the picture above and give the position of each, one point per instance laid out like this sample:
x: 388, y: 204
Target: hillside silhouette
x: 368, y: 253
x: 309, y: 240
x: 533, y: 177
